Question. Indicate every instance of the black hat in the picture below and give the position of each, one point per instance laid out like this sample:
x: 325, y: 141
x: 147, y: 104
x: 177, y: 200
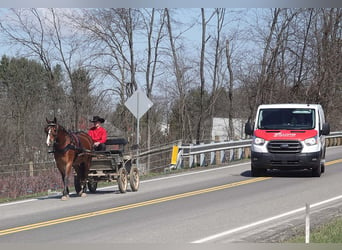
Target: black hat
x: 97, y: 119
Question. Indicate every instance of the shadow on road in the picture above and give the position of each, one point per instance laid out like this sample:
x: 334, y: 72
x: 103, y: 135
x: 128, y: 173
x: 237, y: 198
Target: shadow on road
x: 283, y: 173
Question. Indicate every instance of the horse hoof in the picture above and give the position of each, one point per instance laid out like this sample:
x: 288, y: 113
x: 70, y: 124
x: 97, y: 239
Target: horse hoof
x: 83, y: 195
x: 65, y: 197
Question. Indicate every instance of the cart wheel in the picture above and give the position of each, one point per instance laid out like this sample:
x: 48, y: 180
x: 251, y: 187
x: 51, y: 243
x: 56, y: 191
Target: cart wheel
x: 122, y: 180
x: 134, y: 179
x: 92, y: 185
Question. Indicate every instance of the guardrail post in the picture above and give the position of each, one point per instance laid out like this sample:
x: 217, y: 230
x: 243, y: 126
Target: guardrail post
x: 223, y: 156
x: 212, y: 157
x: 240, y: 153
x: 247, y: 152
x: 231, y: 155
x: 179, y: 159
x: 202, y: 158
x: 191, y: 158
x: 191, y: 161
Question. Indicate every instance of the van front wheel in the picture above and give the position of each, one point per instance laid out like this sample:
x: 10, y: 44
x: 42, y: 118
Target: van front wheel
x: 322, y: 168
x: 316, y: 172
x: 257, y: 172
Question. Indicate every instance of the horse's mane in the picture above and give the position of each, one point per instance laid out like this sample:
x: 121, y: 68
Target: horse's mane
x: 77, y: 132
x: 69, y: 131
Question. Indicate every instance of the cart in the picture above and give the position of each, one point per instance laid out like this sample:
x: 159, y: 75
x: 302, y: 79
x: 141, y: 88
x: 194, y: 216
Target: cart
x: 112, y: 165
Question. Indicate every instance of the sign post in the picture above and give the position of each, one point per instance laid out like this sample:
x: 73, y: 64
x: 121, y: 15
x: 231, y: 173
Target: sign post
x: 138, y: 104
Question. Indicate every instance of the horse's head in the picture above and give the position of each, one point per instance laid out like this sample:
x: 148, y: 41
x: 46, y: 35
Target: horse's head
x: 51, y: 131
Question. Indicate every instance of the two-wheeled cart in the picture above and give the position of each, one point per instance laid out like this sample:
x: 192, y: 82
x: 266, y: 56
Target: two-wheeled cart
x: 112, y: 165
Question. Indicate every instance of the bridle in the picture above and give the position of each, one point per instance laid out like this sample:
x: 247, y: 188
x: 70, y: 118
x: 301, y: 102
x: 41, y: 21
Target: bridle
x: 74, y: 143
x: 50, y: 132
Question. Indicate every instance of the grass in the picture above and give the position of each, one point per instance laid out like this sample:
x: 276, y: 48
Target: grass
x: 24, y: 197
x: 330, y: 232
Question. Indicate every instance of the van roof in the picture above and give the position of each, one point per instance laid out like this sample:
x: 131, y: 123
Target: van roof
x: 290, y: 105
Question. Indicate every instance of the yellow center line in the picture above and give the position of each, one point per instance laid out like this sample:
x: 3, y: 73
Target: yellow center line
x: 130, y: 206
x: 333, y: 162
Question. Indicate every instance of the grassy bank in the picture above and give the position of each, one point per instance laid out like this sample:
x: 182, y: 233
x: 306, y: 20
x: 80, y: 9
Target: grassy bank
x: 330, y: 232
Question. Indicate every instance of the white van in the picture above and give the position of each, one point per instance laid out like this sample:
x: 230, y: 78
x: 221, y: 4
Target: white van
x: 288, y: 136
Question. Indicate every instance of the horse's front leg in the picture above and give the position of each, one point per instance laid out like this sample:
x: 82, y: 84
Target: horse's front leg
x: 66, y: 182
x: 65, y: 193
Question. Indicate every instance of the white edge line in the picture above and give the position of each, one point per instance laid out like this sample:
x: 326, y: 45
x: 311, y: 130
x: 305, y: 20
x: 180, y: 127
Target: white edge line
x: 225, y: 233
x: 146, y: 181
x: 16, y: 202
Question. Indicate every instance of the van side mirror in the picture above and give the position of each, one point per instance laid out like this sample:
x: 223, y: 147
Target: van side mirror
x: 325, y: 129
x: 248, y: 129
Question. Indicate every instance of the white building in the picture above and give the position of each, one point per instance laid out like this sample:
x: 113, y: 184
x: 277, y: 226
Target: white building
x: 220, y: 131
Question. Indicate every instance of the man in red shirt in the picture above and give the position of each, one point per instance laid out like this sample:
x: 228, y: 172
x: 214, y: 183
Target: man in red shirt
x: 98, y: 134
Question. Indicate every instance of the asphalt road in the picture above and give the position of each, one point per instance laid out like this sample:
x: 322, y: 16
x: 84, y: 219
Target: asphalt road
x: 220, y: 204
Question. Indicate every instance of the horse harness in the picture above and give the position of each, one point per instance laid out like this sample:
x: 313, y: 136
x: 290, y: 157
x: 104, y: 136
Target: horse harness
x: 74, y: 145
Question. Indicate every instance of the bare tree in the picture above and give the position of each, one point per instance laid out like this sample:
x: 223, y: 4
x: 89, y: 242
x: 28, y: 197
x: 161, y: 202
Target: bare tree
x: 44, y: 34
x: 34, y: 37
x: 204, y: 40
x: 230, y: 90
x: 110, y: 34
x: 326, y: 86
x: 155, y: 35
x: 67, y: 47
x: 179, y: 74
x: 274, y: 45
x: 216, y: 85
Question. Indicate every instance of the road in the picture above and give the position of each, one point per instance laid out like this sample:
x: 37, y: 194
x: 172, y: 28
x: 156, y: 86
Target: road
x: 220, y: 204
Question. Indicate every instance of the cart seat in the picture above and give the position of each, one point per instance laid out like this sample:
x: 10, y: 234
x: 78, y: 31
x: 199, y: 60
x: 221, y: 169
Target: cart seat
x: 116, y: 141
x: 108, y: 152
x: 115, y: 145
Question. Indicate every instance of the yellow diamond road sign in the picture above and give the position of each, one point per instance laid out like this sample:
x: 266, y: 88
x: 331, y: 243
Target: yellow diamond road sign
x: 138, y: 103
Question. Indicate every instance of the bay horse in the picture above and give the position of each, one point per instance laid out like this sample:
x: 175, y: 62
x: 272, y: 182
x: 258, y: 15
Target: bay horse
x: 70, y: 150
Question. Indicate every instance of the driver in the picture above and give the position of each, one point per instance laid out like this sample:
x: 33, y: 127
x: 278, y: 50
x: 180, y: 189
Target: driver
x: 98, y: 133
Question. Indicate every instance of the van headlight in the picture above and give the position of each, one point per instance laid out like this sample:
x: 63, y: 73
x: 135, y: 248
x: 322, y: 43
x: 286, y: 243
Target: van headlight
x: 258, y: 141
x: 311, y: 141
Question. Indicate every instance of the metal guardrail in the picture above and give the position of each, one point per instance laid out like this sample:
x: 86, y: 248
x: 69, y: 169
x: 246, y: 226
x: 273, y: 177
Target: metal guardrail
x: 221, y: 152
x: 158, y: 159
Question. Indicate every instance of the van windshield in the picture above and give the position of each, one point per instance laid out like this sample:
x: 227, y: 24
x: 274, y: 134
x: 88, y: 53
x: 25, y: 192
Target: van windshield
x: 286, y: 118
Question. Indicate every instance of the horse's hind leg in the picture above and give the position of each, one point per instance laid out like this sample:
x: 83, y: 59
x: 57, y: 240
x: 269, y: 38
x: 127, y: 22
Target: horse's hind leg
x: 85, y: 171
x: 77, y: 182
x: 86, y: 167
x: 80, y: 181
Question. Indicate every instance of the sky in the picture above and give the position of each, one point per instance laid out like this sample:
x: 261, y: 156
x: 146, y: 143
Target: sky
x: 171, y: 4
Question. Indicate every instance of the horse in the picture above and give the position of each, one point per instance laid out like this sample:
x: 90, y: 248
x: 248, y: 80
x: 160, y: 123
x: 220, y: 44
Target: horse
x: 70, y: 150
